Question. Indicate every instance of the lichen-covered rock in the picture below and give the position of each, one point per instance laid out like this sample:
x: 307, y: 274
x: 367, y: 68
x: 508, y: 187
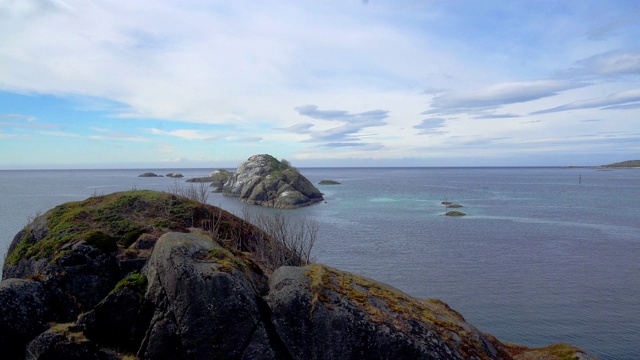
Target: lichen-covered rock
x: 120, y: 320
x: 263, y: 180
x: 64, y: 342
x: 24, y: 312
x: 323, y: 313
x: 206, y: 301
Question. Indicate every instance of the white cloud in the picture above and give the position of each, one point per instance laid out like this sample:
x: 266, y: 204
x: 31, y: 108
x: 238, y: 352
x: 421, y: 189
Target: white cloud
x: 626, y: 98
x: 247, y: 68
x: 187, y: 134
x: 498, y: 95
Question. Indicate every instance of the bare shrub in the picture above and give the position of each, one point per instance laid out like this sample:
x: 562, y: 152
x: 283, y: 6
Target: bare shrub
x: 288, y: 242
x: 199, y: 192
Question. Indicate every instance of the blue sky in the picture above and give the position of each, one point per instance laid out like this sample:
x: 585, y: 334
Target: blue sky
x: 117, y: 84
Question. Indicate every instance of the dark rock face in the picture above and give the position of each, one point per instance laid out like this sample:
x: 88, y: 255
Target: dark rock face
x: 79, y: 279
x: 24, y: 312
x: 263, y: 180
x: 149, y: 174
x: 202, y: 292
x: 322, y: 313
x: 59, y: 345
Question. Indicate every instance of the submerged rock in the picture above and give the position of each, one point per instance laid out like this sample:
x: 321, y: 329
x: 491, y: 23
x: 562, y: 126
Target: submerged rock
x: 329, y: 182
x: 263, y: 180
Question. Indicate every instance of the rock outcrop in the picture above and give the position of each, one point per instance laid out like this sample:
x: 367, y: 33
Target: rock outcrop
x: 149, y: 174
x: 197, y: 289
x: 263, y: 180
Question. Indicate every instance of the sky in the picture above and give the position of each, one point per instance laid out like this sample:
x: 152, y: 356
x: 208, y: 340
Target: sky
x: 206, y: 83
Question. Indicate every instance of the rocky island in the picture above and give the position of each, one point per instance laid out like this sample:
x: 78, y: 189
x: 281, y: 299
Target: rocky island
x: 629, y: 164
x: 328, y: 182
x: 152, y: 275
x: 263, y: 180
x: 149, y: 174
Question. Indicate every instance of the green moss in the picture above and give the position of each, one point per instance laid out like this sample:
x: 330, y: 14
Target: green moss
x: 100, y: 240
x: 135, y: 281
x: 110, y: 220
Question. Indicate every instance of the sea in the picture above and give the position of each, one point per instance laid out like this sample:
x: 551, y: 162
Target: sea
x: 543, y: 255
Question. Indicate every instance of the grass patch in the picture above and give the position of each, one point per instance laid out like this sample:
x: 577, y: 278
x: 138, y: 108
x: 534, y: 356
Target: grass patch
x: 111, y: 221
x: 135, y: 281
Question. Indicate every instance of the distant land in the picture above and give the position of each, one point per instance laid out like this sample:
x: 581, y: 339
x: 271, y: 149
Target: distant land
x: 624, y: 164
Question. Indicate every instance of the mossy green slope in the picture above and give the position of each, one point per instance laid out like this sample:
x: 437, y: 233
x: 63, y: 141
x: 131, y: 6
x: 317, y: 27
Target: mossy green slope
x: 114, y: 221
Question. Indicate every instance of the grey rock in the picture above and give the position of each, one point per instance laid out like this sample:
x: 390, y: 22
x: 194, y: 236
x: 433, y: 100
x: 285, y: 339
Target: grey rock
x: 79, y: 279
x: 206, y: 301
x: 58, y: 345
x: 24, y: 312
x: 323, y: 313
x: 119, y: 320
x: 263, y: 180
x: 174, y: 175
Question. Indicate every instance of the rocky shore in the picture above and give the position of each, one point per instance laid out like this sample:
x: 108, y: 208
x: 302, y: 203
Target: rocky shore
x: 151, y: 275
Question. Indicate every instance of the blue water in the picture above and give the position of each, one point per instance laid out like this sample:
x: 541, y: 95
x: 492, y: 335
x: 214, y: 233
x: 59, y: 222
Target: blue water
x: 540, y: 258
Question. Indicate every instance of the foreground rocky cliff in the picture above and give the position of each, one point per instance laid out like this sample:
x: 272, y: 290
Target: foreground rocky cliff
x: 150, y: 275
x: 263, y: 180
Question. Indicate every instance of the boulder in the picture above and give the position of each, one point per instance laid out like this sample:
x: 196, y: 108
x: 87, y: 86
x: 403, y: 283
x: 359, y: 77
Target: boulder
x: 323, y: 313
x: 263, y: 180
x: 64, y: 341
x: 24, y: 312
x: 206, y: 301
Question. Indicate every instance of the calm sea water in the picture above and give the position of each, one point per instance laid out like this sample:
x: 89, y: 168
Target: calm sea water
x: 540, y: 258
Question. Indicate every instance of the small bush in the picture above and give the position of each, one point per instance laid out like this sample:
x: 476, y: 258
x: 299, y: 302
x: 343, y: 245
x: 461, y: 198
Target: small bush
x: 102, y: 241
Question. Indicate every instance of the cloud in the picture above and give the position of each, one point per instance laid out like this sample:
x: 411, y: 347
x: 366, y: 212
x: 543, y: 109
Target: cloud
x: 352, y: 124
x: 18, y: 117
x: 301, y: 128
x: 109, y: 134
x: 30, y: 125
x: 374, y: 117
x: 250, y: 139
x: 60, y: 134
x: 187, y: 134
x: 610, y: 29
x: 615, y: 63
x: 431, y: 126
x: 495, y: 116
x: 498, y: 95
x: 625, y: 98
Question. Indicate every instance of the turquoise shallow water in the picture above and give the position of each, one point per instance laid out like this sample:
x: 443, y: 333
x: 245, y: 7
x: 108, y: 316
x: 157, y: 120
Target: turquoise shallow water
x: 540, y: 258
